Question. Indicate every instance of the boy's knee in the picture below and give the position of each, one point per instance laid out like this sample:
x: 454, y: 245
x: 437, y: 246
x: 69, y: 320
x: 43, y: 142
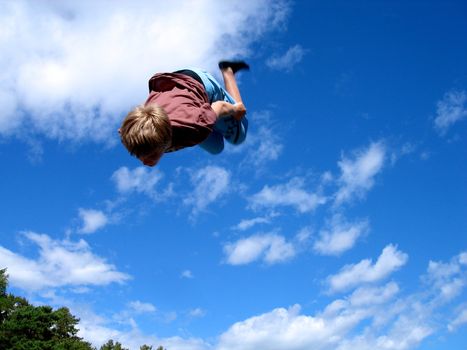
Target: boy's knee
x: 236, y: 134
x: 218, y: 148
x: 241, y: 138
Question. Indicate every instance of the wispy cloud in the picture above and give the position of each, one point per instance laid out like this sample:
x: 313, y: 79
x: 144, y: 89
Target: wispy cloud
x: 304, y: 235
x: 288, y: 60
x: 140, y: 307
x: 459, y: 320
x: 198, y: 312
x: 340, y: 236
x: 446, y: 277
x: 59, y: 264
x: 290, y: 194
x: 270, y: 248
x: 264, y: 145
x: 210, y: 184
x: 249, y: 223
x: 246, y: 224
x: 357, y: 173
x: 187, y: 274
x: 365, y: 271
x: 74, y: 50
x: 92, y: 220
x: 139, y: 180
x: 450, y: 110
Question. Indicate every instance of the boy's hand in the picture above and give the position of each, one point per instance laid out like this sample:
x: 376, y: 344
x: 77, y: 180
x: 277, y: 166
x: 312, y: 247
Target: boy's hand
x: 240, y: 111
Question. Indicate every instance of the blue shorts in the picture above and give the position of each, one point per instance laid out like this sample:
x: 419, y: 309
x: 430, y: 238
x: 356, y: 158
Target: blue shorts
x: 228, y: 128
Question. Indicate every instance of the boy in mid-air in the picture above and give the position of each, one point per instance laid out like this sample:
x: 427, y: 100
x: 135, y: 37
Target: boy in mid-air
x: 186, y: 108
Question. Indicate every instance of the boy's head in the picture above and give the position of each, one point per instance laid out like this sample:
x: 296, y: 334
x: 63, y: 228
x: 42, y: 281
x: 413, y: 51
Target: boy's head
x: 146, y: 133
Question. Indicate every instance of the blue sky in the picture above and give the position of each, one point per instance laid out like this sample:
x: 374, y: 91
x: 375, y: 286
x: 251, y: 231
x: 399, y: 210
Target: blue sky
x: 339, y: 224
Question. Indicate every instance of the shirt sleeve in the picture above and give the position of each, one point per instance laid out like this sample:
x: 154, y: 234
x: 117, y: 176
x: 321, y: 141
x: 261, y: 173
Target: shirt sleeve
x: 192, y: 125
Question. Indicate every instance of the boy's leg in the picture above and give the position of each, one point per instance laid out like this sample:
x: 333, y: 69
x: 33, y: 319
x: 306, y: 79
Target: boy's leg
x: 230, y: 84
x: 228, y: 70
x: 233, y: 131
x: 236, y: 130
x: 214, y: 144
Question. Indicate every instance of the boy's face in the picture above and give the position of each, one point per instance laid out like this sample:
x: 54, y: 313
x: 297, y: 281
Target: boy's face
x: 151, y: 159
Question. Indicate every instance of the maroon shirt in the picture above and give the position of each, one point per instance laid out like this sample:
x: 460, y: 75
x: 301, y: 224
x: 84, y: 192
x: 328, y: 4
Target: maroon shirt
x: 186, y: 103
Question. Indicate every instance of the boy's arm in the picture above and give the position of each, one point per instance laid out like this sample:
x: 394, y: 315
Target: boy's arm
x: 223, y: 109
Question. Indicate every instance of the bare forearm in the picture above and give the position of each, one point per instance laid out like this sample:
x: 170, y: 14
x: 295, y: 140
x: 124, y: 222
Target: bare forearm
x: 223, y: 109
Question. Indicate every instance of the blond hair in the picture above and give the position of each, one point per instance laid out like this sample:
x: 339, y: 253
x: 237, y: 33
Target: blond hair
x: 146, y: 130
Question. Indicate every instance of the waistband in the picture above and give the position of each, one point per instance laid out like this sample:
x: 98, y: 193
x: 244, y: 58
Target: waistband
x: 190, y: 73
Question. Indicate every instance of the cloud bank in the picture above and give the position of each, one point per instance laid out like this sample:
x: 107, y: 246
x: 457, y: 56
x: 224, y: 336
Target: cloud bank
x: 71, y: 70
x: 374, y: 317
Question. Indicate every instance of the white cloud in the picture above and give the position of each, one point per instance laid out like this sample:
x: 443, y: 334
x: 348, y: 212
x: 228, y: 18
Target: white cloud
x: 303, y: 236
x: 187, y: 274
x: 288, y: 60
x: 338, y: 329
x: 140, y: 307
x: 450, y: 110
x: 249, y: 223
x: 404, y: 150
x: 352, y: 275
x: 340, y: 236
x: 198, y: 312
x: 448, y: 278
x: 271, y: 248
x: 71, y: 70
x: 211, y: 183
x: 459, y: 320
x: 357, y: 174
x: 287, y: 329
x: 289, y: 194
x: 246, y: 224
x: 140, y: 180
x: 405, y: 334
x: 93, y: 220
x: 264, y: 145
x: 59, y: 264
x: 463, y: 258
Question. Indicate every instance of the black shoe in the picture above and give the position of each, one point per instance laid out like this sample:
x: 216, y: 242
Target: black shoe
x: 234, y: 65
